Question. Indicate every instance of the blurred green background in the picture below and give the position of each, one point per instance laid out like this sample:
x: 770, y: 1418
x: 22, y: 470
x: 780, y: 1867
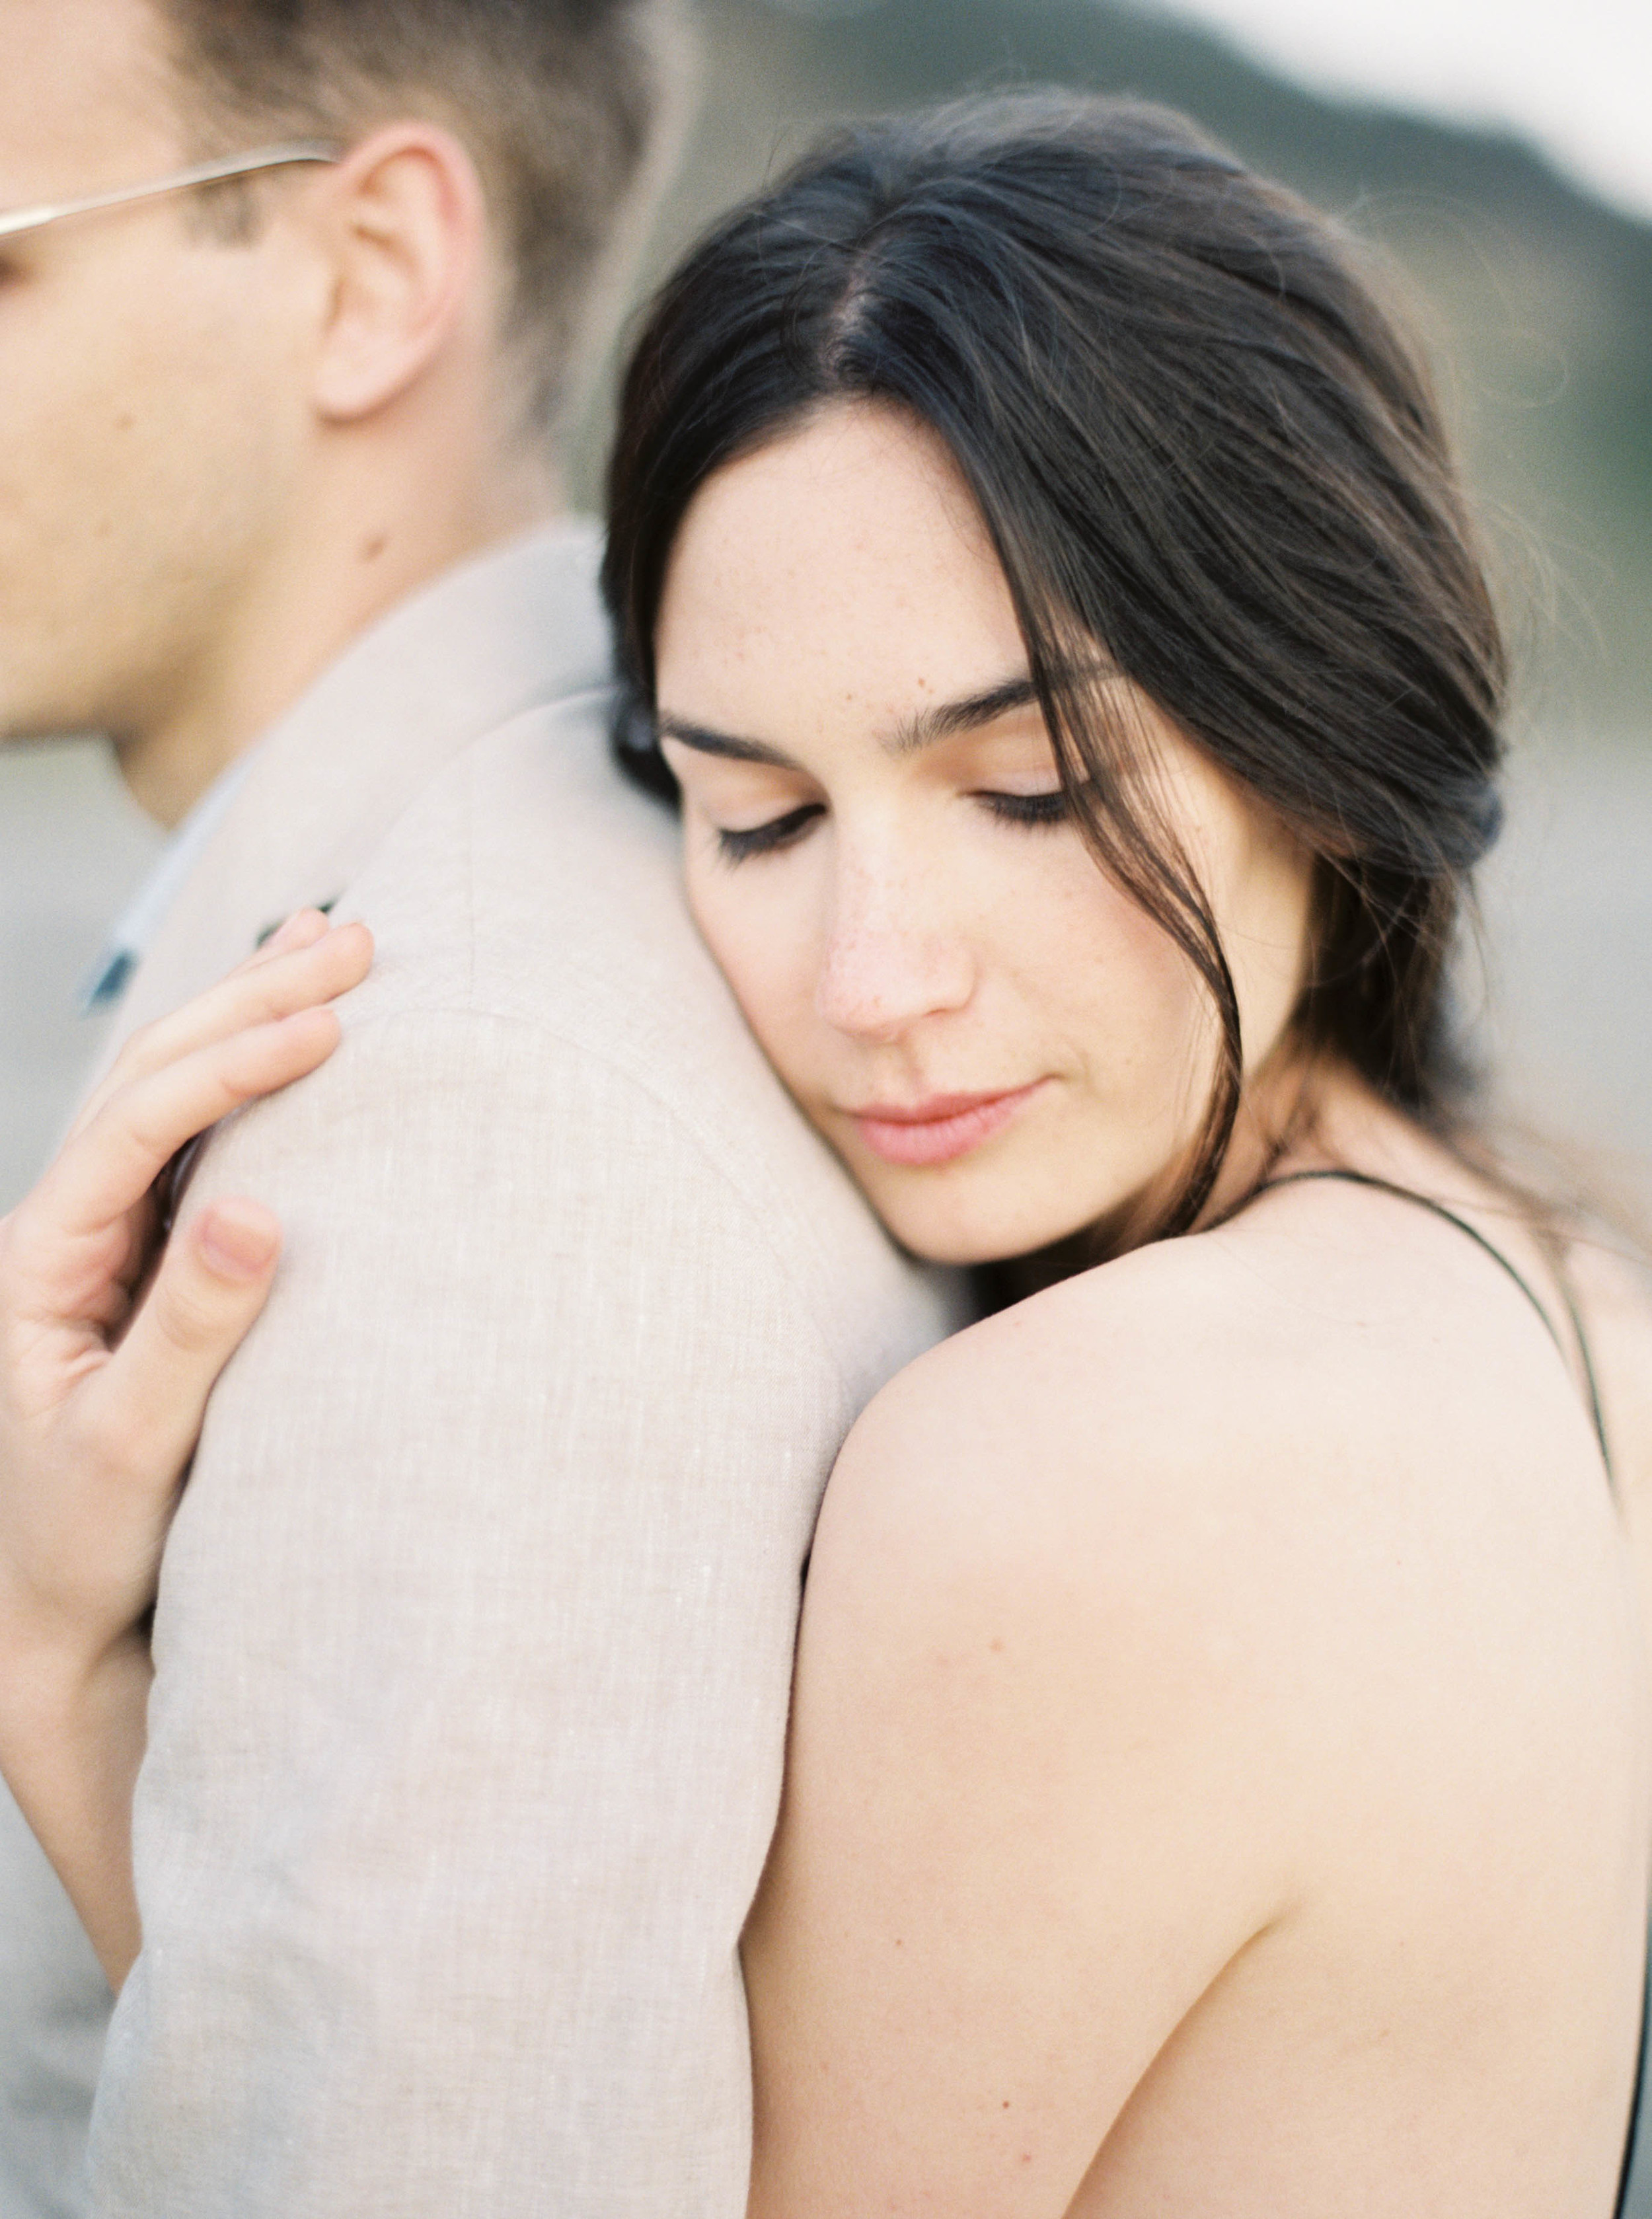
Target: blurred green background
x: 1536, y: 302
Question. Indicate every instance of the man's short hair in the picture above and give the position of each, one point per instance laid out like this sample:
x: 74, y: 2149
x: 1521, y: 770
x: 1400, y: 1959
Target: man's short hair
x: 559, y: 102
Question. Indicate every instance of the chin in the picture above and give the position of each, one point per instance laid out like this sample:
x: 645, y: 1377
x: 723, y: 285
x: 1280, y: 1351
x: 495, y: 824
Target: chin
x: 947, y: 1227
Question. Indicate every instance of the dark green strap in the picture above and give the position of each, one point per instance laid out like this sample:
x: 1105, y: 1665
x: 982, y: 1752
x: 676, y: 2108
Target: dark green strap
x: 1426, y: 1202
x: 1597, y: 1414
x: 1635, y: 2181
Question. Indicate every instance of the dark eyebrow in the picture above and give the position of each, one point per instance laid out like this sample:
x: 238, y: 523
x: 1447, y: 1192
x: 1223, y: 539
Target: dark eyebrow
x: 966, y: 715
x: 706, y: 742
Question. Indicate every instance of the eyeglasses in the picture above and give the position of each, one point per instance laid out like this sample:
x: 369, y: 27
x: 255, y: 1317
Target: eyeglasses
x: 203, y: 173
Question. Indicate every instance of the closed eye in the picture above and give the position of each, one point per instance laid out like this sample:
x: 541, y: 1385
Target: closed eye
x: 1032, y: 809
x: 764, y: 839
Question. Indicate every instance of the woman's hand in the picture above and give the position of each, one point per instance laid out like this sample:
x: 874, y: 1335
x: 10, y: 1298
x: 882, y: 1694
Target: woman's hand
x: 109, y: 1345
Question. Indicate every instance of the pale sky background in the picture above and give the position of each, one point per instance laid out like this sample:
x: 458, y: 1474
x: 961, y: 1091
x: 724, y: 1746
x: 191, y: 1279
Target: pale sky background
x: 1574, y: 77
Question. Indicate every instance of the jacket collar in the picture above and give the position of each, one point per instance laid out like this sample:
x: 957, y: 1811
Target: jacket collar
x: 516, y: 627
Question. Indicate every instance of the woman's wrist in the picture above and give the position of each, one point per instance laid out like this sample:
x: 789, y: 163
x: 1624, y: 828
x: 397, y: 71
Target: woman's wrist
x: 73, y: 1735
x: 57, y: 1678
x: 71, y: 1725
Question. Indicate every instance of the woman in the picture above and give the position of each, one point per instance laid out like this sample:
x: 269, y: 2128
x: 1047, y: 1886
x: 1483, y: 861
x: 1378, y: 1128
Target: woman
x: 1220, y: 1767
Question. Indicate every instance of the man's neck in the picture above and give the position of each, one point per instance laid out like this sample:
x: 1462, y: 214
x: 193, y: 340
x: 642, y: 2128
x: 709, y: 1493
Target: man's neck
x: 297, y: 618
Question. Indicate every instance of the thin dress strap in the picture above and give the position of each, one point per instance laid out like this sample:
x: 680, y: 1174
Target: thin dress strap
x: 1596, y: 1416
x: 1634, y: 2175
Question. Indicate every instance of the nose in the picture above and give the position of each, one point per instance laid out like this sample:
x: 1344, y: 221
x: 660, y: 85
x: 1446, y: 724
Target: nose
x: 893, y: 954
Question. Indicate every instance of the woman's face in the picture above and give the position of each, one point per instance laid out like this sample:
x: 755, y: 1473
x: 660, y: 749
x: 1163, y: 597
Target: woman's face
x: 1002, y: 1046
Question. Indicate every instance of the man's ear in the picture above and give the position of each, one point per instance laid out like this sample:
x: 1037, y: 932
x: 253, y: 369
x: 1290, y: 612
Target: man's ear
x: 405, y: 235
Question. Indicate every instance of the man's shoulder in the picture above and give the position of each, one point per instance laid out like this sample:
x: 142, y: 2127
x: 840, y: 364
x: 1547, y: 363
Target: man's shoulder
x: 529, y: 887
x: 529, y: 879
x: 544, y: 1020
x: 312, y: 801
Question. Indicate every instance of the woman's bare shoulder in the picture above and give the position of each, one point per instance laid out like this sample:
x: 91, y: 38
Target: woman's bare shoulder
x: 1154, y: 1524
x: 1178, y: 1396
x: 1212, y: 1343
x: 1038, y: 1652
x: 1227, y: 1423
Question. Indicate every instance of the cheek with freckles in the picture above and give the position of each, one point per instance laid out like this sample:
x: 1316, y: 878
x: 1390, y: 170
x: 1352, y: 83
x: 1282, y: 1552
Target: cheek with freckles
x: 914, y: 935
x: 765, y: 938
x: 1072, y: 990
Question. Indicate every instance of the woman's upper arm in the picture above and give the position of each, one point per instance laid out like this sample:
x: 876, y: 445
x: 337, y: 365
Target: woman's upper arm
x: 1026, y: 1821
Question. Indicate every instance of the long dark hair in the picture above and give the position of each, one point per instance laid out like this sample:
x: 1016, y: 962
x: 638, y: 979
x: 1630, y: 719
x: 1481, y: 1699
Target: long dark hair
x: 1199, y: 444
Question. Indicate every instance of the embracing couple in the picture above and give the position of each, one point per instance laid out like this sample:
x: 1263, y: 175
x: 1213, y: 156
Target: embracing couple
x: 920, y: 959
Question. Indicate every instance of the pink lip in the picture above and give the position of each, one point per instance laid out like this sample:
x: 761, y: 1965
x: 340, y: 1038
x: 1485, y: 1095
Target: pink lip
x: 936, y: 1131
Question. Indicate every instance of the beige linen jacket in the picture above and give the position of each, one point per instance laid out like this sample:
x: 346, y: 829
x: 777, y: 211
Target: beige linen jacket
x: 475, y: 1627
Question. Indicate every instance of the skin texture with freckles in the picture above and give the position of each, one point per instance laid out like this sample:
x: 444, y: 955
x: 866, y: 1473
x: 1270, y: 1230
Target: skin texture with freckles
x: 911, y: 944
x: 1221, y: 1770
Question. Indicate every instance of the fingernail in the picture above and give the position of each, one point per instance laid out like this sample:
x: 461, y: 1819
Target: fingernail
x: 238, y: 1239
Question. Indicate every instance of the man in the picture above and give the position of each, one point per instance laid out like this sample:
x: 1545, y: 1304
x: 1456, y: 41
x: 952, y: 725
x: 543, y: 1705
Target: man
x: 474, y: 1640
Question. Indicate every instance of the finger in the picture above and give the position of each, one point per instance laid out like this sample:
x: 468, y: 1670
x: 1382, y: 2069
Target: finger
x: 317, y: 968
x: 147, y: 1403
x: 107, y: 1170
x: 302, y: 930
x: 286, y: 983
x: 272, y: 984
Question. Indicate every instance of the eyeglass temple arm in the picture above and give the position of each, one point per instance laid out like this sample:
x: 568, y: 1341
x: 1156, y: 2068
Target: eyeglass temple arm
x: 203, y: 173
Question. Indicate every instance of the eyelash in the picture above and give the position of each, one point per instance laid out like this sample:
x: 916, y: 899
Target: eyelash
x: 764, y: 839
x: 1031, y: 809
x: 1036, y: 811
